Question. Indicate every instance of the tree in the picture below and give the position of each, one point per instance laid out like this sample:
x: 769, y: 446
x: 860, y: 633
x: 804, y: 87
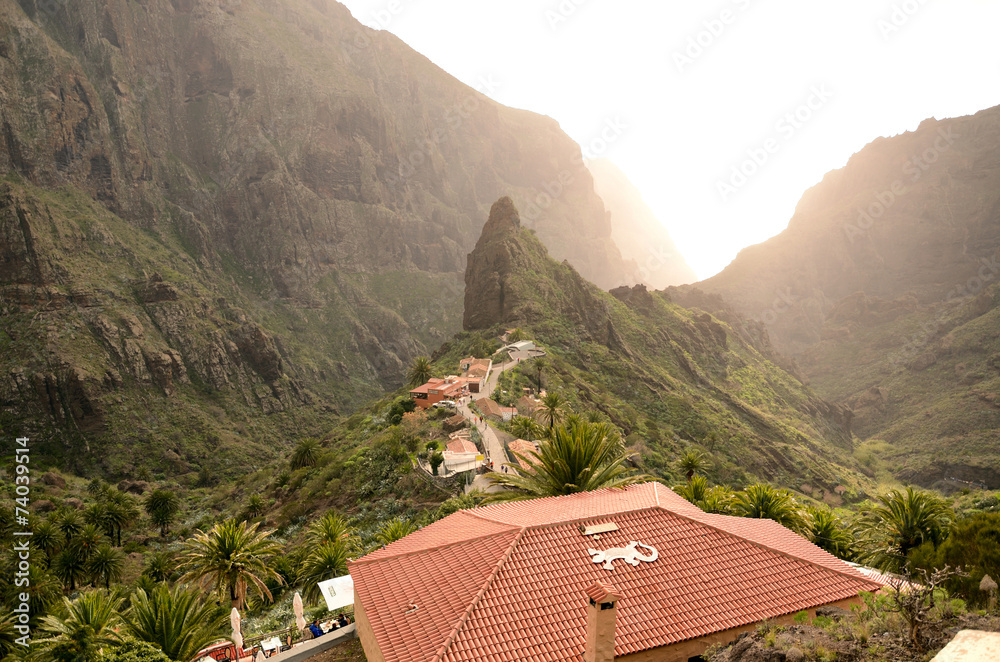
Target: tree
x: 551, y: 411
x: 232, y: 557
x: 160, y: 566
x: 176, y: 620
x: 255, y: 507
x: 695, y: 490
x: 913, y: 598
x: 762, y: 501
x: 324, y: 562
x: 87, y: 626
x: 540, y: 366
x: 420, y: 371
x: 48, y: 538
x: 580, y: 458
x: 526, y: 428
x: 436, y: 460
x: 70, y: 566
x: 306, y: 454
x: 7, y: 637
x: 827, y: 532
x: 691, y: 463
x: 106, y: 564
x: 162, y: 507
x: 393, y: 530
x: 135, y: 651
x: 333, y: 528
x: 899, y: 523
x: 718, y: 500
x: 972, y: 544
x: 87, y: 541
x: 120, y: 512
x: 70, y: 523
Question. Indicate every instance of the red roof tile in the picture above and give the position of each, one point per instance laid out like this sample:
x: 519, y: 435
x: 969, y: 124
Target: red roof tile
x: 712, y: 573
x: 461, y: 445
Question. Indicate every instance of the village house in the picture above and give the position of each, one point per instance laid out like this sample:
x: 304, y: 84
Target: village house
x: 526, y: 449
x: 527, y: 406
x: 633, y: 575
x: 495, y: 412
x: 437, y: 390
x: 476, y: 372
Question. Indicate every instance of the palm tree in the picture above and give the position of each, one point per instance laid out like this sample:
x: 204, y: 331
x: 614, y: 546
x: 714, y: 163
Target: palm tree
x: 718, y: 500
x: 526, y: 428
x: 48, y: 538
x: 306, y: 454
x: 691, y: 463
x: 420, y: 371
x: 325, y: 562
x: 255, y: 507
x: 393, y: 530
x: 70, y: 566
x: 765, y: 502
x: 87, y: 627
x: 106, y: 564
x: 160, y: 566
x: 551, y: 411
x: 901, y: 522
x: 581, y: 458
x: 162, y: 507
x: 695, y: 490
x: 87, y: 541
x: 120, y: 512
x: 333, y: 528
x: 827, y: 532
x: 540, y: 366
x: 7, y: 636
x: 232, y: 558
x: 176, y: 620
x: 70, y: 523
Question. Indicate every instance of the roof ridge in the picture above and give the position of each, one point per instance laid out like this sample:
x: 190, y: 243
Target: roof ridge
x: 477, y: 510
x: 464, y: 618
x: 857, y: 577
x: 364, y: 560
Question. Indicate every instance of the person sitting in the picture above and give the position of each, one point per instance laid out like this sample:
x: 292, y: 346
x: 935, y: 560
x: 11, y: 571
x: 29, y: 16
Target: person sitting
x: 316, y: 629
x: 343, y: 621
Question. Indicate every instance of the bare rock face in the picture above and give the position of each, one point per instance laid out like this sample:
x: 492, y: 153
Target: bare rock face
x: 489, y: 300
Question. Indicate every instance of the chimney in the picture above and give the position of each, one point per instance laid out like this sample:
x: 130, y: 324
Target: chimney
x: 602, y: 611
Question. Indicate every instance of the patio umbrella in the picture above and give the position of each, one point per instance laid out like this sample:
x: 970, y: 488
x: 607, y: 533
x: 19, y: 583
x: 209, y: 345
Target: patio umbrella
x: 300, y: 619
x: 234, y: 620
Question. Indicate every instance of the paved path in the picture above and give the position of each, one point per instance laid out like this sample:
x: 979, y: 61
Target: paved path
x: 491, y: 443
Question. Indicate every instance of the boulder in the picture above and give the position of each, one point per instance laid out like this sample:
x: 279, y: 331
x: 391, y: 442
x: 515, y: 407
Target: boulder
x: 53, y: 479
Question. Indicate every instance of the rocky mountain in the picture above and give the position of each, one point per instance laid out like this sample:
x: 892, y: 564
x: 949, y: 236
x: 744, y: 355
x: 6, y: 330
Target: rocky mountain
x: 218, y: 212
x: 636, y: 230
x: 672, y: 378
x: 884, y: 290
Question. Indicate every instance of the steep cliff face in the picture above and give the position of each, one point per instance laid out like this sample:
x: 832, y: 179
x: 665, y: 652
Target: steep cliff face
x: 257, y: 204
x: 651, y: 365
x: 884, y: 289
x: 636, y: 230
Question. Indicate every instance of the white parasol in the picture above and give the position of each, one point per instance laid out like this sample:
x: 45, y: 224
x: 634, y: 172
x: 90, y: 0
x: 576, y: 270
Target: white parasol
x: 300, y: 619
x: 234, y: 620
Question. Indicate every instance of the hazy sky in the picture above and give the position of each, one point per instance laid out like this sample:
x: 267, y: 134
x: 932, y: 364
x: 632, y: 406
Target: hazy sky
x: 690, y: 113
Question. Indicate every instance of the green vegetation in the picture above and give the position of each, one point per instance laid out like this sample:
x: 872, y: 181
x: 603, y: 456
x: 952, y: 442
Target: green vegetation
x: 420, y: 371
x: 579, y: 457
x: 232, y: 558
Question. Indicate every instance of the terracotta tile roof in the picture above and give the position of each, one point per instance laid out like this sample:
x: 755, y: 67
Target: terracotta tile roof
x: 525, y: 448
x: 461, y: 445
x: 602, y: 592
x: 712, y: 573
x: 489, y: 407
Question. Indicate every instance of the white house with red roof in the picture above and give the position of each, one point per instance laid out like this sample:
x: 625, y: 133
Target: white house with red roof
x: 635, y: 574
